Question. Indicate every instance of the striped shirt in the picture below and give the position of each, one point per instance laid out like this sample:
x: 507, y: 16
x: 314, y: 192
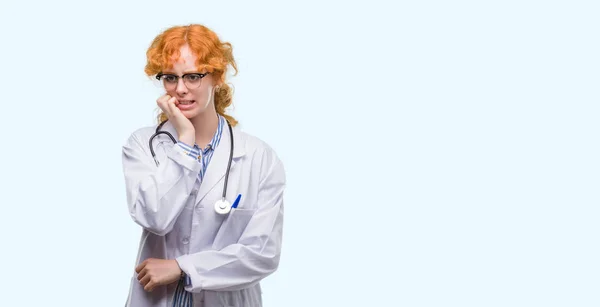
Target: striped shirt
x: 182, y: 297
x: 204, y: 155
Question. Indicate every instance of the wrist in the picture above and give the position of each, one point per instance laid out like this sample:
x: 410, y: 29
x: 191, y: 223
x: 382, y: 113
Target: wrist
x: 188, y: 139
x: 176, y: 268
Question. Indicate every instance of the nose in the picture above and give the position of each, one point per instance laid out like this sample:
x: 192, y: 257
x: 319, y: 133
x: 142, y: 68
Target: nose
x: 181, y: 89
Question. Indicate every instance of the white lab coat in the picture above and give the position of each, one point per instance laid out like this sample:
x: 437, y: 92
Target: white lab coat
x: 225, y: 256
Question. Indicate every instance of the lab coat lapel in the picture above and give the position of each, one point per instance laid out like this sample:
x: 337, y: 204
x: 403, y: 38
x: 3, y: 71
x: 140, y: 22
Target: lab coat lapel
x: 217, y: 167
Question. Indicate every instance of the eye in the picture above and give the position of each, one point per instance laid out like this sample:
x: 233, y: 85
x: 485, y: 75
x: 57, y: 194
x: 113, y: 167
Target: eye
x: 169, y: 78
x: 193, y: 77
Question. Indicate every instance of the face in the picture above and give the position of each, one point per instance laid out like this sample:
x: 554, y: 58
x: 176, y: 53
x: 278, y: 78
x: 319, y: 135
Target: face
x: 194, y: 91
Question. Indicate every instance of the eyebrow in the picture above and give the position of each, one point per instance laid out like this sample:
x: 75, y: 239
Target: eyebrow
x: 185, y: 72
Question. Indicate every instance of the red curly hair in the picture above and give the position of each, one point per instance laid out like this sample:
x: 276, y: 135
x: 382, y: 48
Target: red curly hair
x: 213, y: 56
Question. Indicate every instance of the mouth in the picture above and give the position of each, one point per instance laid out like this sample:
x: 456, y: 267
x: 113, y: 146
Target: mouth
x: 186, y: 104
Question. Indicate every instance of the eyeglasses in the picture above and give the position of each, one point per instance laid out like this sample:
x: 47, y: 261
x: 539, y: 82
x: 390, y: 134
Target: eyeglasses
x: 191, y: 80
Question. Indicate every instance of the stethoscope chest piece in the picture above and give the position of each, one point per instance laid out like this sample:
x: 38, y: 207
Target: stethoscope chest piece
x: 222, y: 206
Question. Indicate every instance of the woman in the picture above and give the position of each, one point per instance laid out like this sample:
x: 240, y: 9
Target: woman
x: 190, y: 253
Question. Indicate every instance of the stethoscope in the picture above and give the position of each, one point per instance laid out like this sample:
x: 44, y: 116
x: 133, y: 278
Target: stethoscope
x: 222, y: 206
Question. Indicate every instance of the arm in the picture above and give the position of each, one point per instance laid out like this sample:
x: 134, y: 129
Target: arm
x: 157, y: 195
x: 256, y: 254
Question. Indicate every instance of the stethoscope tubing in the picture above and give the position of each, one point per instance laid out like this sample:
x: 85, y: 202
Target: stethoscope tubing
x: 158, y: 132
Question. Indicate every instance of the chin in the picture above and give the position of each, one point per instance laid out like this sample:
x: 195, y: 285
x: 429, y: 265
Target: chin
x: 190, y: 114
x: 195, y: 112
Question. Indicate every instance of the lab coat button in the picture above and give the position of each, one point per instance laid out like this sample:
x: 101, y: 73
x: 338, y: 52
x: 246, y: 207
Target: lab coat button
x: 186, y: 240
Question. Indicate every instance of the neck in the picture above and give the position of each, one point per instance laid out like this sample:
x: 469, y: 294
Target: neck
x: 205, y: 125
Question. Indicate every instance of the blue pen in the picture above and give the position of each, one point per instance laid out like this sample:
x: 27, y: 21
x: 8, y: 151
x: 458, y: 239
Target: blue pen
x: 236, y: 202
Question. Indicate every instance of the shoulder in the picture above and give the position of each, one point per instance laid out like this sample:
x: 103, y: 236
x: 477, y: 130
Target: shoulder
x: 256, y: 146
x: 144, y: 132
x: 262, y: 154
x: 140, y: 135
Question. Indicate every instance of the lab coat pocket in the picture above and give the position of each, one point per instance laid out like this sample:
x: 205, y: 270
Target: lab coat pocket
x: 233, y: 227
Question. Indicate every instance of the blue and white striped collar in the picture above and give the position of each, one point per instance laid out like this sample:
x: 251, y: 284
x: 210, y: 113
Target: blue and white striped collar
x: 217, y: 137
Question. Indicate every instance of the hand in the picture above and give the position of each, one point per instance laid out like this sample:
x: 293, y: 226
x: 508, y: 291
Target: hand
x: 157, y: 272
x: 182, y: 124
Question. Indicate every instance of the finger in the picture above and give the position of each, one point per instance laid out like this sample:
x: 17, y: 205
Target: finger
x: 162, y: 102
x: 144, y: 281
x: 173, y: 109
x: 141, y: 266
x: 150, y: 286
x: 164, y: 98
x: 142, y: 274
x: 169, y: 106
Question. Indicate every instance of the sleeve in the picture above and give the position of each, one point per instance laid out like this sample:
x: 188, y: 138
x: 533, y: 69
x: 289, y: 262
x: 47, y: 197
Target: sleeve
x: 256, y: 254
x: 156, y: 195
x: 189, y: 150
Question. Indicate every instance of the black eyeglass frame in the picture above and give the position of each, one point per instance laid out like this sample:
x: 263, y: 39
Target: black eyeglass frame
x: 201, y: 75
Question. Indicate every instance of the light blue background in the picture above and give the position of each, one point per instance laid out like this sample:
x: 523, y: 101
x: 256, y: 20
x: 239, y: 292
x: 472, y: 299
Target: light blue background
x: 438, y: 153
